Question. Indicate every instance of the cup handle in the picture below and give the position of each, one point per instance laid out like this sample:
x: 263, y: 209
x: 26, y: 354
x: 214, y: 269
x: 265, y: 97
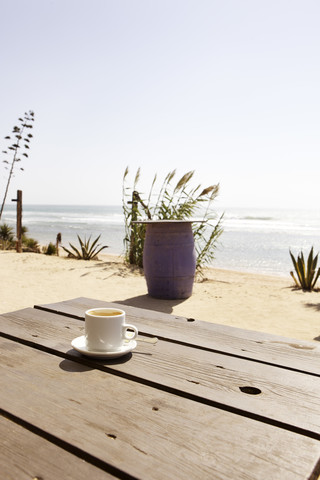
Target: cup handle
x: 129, y: 335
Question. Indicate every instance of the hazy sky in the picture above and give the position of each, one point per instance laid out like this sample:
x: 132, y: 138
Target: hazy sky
x: 228, y: 88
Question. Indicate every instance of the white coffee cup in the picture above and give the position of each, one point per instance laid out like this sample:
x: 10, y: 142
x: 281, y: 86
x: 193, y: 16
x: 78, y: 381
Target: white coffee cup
x: 106, y: 330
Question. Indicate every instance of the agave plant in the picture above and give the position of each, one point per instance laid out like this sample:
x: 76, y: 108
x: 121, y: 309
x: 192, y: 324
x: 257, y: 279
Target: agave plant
x: 87, y: 251
x: 307, y: 274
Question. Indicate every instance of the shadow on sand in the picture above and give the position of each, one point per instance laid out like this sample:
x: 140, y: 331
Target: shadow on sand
x: 150, y: 303
x: 315, y: 306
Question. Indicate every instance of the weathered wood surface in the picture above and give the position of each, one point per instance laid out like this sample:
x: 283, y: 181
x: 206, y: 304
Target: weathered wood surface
x: 287, y: 397
x: 26, y: 455
x: 141, y: 431
x: 290, y: 353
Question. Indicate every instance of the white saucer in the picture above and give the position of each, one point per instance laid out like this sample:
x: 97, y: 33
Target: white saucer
x: 79, y: 344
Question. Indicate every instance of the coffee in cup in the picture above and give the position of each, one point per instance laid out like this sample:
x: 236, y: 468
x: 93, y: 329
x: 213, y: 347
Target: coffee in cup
x: 106, y: 330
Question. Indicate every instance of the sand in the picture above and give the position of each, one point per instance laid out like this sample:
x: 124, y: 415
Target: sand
x: 256, y: 302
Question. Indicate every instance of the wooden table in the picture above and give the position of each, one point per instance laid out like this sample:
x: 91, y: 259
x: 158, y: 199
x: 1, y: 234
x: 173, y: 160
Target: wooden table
x: 194, y: 400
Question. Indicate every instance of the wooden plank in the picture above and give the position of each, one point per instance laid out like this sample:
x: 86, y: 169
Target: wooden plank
x: 256, y: 389
x: 272, y: 349
x: 144, y: 432
x: 25, y: 455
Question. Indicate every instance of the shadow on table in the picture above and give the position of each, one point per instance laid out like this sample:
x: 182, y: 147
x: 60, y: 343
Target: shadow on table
x: 150, y: 303
x: 86, y: 363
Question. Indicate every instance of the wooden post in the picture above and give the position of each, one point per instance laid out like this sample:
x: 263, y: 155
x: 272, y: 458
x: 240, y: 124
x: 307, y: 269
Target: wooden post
x: 58, y: 240
x: 19, y: 220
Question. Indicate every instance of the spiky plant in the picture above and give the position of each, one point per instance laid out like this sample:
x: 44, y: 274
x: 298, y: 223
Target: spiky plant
x: 178, y: 202
x: 87, y: 251
x: 307, y: 274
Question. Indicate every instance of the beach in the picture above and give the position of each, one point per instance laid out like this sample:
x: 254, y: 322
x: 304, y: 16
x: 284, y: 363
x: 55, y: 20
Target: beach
x: 251, y: 301
x: 254, y: 240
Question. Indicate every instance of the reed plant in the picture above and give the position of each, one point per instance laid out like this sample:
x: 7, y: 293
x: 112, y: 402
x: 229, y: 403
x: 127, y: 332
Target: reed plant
x: 172, y: 201
x: 307, y: 273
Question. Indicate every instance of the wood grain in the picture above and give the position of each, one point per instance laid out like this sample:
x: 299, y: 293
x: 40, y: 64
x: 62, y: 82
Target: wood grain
x: 25, y: 455
x: 142, y: 431
x: 257, y: 390
x: 271, y: 349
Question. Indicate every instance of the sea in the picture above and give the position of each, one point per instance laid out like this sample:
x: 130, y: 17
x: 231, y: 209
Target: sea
x: 254, y: 240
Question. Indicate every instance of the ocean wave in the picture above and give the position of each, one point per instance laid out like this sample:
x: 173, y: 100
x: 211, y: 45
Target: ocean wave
x: 249, y: 217
x: 72, y: 220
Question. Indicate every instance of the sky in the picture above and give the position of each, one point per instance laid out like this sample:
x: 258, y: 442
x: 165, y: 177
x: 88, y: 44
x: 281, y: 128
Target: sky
x: 227, y: 88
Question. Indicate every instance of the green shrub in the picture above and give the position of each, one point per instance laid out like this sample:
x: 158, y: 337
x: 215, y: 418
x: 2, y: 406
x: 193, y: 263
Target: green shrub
x: 178, y: 202
x: 88, y: 251
x: 6, y: 237
x: 30, y: 245
x: 50, y: 249
x: 307, y: 274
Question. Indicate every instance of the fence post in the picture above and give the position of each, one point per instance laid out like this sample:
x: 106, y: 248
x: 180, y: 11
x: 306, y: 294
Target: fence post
x: 19, y: 220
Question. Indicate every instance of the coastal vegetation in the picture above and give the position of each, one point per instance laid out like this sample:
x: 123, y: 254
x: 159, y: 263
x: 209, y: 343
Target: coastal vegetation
x: 8, y: 241
x: 52, y: 249
x: 307, y: 273
x: 88, y: 250
x: 6, y: 237
x: 172, y: 201
x: 29, y: 244
x: 49, y: 249
x: 19, y: 145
